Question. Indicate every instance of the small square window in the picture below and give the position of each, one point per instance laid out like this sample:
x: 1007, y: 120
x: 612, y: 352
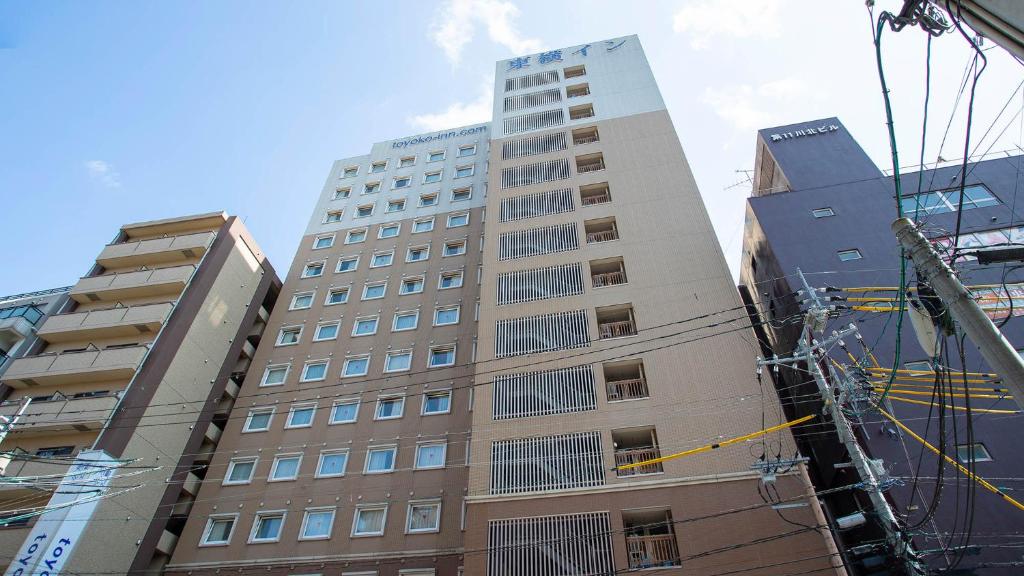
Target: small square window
x: 371, y: 188
x: 424, y: 517
x: 389, y: 408
x: 381, y: 459
x: 267, y: 527
x: 464, y: 171
x: 218, y: 530
x: 365, y: 326
x: 355, y: 236
x: 822, y: 212
x: 240, y: 471
x: 413, y: 285
x: 313, y: 269
x: 431, y: 177
x: 467, y: 150
x: 378, y: 167
x: 400, y: 361
x: 327, y: 331
x: 289, y: 336
x: 402, y: 182
x: 336, y: 296
x: 285, y: 467
x: 396, y: 206
x: 301, y: 301
x: 323, y: 242
x: 973, y: 452
x: 435, y: 156
x: 258, y: 420
x: 350, y: 172
x: 437, y: 402
x: 382, y: 259
x: 314, y: 371
x: 300, y: 416
x: 332, y: 463
x: 333, y: 216
x: 454, y: 248
x: 357, y: 366
x: 430, y: 455
x: 424, y: 225
x: 347, y: 264
x: 441, y: 356
x: 364, y: 211
x: 344, y: 411
x: 450, y: 280
x: 407, y: 161
x: 847, y: 255
x: 341, y: 193
x: 417, y: 253
x: 389, y: 231
x: 274, y: 375
x: 369, y: 521
x: 461, y: 194
x: 456, y: 220
x: 375, y: 290
x: 446, y: 315
x: 428, y: 200
x: 316, y: 524
x: 405, y: 321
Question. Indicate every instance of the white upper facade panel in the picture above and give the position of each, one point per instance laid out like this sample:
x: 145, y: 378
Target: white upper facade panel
x: 405, y: 178
x: 585, y: 83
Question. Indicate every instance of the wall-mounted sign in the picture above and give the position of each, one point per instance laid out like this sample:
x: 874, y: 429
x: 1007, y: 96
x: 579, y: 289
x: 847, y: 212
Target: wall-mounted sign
x: 809, y: 131
x: 438, y: 136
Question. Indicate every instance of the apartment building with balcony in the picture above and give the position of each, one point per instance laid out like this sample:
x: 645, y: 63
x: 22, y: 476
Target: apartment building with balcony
x: 143, y: 361
x: 20, y: 317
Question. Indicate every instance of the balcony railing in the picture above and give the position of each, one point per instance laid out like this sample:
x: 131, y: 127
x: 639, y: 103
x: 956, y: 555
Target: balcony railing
x: 580, y: 114
x: 577, y: 93
x: 111, y: 287
x: 631, y: 389
x: 617, y: 329
x: 652, y: 551
x: 62, y: 413
x: 596, y: 199
x: 156, y: 250
x: 634, y: 455
x: 105, y: 323
x: 592, y: 166
x: 608, y: 279
x: 602, y: 236
x: 588, y: 139
x: 75, y: 367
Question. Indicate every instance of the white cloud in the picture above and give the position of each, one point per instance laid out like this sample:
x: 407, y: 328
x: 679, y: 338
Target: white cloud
x: 750, y: 108
x: 456, y: 21
x: 103, y: 173
x: 705, y: 19
x: 459, y: 113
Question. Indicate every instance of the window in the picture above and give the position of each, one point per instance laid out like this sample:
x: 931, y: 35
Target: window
x: 424, y: 225
x: 435, y: 156
x: 939, y: 202
x: 316, y: 524
x: 347, y: 264
x: 314, y: 371
x: 333, y: 216
x: 405, y: 321
x: 430, y: 455
x: 454, y: 248
x: 341, y: 193
x: 450, y: 280
x: 380, y: 459
x: 301, y: 301
x: 345, y: 411
x: 323, y: 242
x: 423, y: 517
x: 399, y: 361
x: 442, y: 356
x: 417, y: 253
x: 267, y: 527
x: 389, y: 231
x: 240, y: 471
x: 461, y: 194
x: 274, y: 375
x: 467, y: 150
x: 574, y: 71
x: 375, y: 290
x: 365, y: 326
x: 332, y: 463
x: 336, y: 296
x: 396, y: 206
x: 389, y: 407
x: 258, y: 420
x: 356, y: 366
x: 54, y: 451
x: 369, y: 520
x: 301, y: 416
x: 364, y: 211
x: 412, y: 285
x: 847, y: 255
x: 350, y: 171
x: 382, y: 259
x: 464, y: 171
x: 428, y: 200
x: 437, y: 402
x: 289, y: 336
x: 431, y: 177
x: 822, y: 212
x: 406, y: 161
x: 218, y: 530
x: 286, y: 467
x: 456, y: 220
x: 973, y: 452
x: 355, y: 236
x: 313, y: 269
x: 402, y: 182
x: 371, y: 188
x: 446, y: 315
x: 378, y: 167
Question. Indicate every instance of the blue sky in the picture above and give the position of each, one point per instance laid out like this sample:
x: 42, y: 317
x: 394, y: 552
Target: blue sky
x: 115, y: 112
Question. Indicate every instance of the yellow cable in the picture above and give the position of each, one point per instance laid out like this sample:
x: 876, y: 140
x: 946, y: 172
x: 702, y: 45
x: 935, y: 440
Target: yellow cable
x: 981, y: 410
x: 709, y: 447
x: 928, y: 372
x: 930, y: 386
x: 923, y: 393
x: 967, y: 472
x: 957, y: 376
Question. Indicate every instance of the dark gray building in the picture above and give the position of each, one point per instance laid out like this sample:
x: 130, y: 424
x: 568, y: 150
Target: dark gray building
x: 821, y: 205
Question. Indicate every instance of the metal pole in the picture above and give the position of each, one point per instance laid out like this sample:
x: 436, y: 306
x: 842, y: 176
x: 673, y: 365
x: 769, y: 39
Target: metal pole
x: 994, y: 347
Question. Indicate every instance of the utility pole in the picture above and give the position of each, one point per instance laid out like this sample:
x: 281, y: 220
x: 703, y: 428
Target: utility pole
x: 997, y: 351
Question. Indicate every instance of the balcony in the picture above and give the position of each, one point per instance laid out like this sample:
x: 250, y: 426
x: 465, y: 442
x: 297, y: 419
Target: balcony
x: 650, y: 539
x: 108, y: 323
x: 577, y: 90
x: 57, y: 369
x: 156, y: 250
x: 142, y: 283
x: 616, y: 321
x: 603, y: 230
x: 625, y: 381
x: 595, y: 194
x: 61, y: 413
x: 633, y: 446
x: 16, y: 323
x: 589, y: 163
x: 581, y: 112
x: 610, y: 272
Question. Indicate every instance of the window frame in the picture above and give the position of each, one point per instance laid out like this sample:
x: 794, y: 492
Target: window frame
x: 403, y: 164
x: 396, y: 226
x: 272, y: 367
x: 278, y: 342
x: 383, y: 508
x: 416, y: 222
x: 227, y: 481
x: 331, y: 291
x: 357, y: 402
x: 297, y: 295
x: 431, y: 159
x: 422, y: 280
x: 447, y: 393
x: 393, y: 448
x: 374, y: 256
x: 333, y: 216
x: 204, y: 539
x: 414, y: 313
x: 333, y: 452
x: 321, y: 325
x: 463, y: 242
x: 859, y: 255
x: 459, y: 154
x: 394, y: 182
x: 972, y: 447
x: 436, y: 504
x: 454, y: 349
x: 467, y: 189
x: 374, y: 163
x: 343, y: 259
x: 422, y: 204
x: 400, y: 203
x: 301, y: 406
x: 305, y: 521
x: 457, y: 215
x: 376, y: 325
x: 259, y: 516
x: 388, y: 356
x: 375, y: 284
x: 303, y: 377
x: 319, y: 237
x: 389, y: 397
x: 460, y: 274
x: 428, y: 174
x: 358, y: 215
x: 247, y: 425
x: 472, y: 171
x: 277, y: 460
x: 427, y: 444
x: 424, y: 247
x: 354, y: 231
x: 305, y: 269
x: 349, y: 359
x: 830, y: 212
x: 353, y: 169
x: 343, y: 193
x: 447, y: 307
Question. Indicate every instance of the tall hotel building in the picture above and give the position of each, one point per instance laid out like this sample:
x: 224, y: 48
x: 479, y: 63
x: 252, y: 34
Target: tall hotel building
x: 483, y: 328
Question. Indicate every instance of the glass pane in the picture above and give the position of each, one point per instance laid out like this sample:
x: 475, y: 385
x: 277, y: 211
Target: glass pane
x: 356, y: 367
x: 315, y: 371
x: 370, y: 522
x: 437, y: 403
x: 429, y: 456
x: 259, y: 421
x: 333, y: 464
x: 381, y: 460
x: 389, y: 408
x: 399, y: 362
x: 302, y: 417
x: 269, y: 528
x: 345, y: 412
x: 220, y: 530
x: 405, y: 322
x: 276, y: 375
x: 241, y: 471
x: 318, y: 524
x: 286, y: 468
x: 423, y: 517
x: 327, y: 332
